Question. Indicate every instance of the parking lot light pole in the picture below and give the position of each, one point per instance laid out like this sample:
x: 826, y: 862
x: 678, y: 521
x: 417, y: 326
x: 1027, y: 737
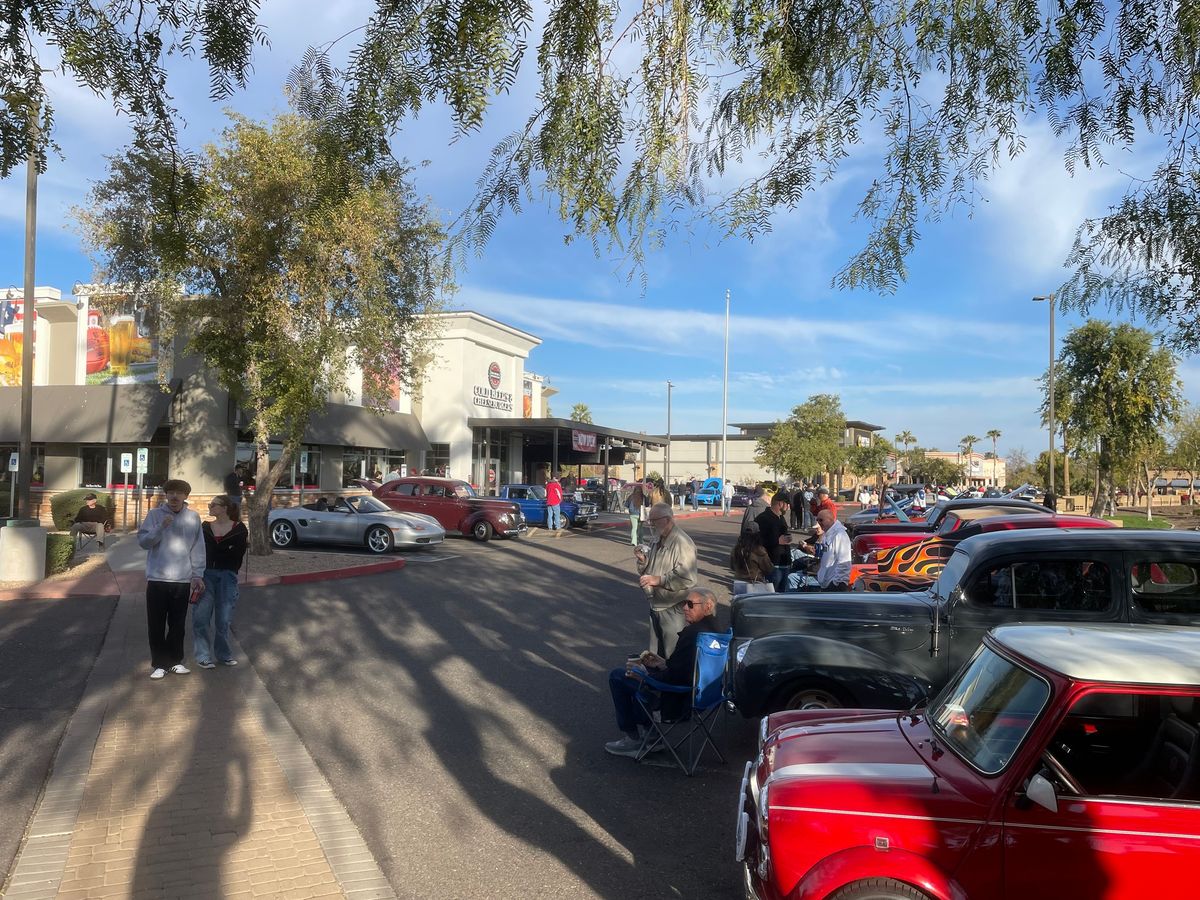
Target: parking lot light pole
x: 1050, y: 386
x: 667, y: 457
x: 28, y: 332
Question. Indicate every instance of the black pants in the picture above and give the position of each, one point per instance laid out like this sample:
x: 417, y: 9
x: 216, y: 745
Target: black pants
x: 166, y: 619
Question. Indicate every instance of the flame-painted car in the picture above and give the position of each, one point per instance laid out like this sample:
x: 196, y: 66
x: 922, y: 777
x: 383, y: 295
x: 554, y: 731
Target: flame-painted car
x: 1060, y: 762
x: 913, y: 567
x: 872, y: 539
x: 357, y: 521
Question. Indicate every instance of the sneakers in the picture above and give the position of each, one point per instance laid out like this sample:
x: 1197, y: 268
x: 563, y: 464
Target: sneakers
x: 158, y: 673
x: 229, y: 662
x: 626, y: 746
x: 180, y: 669
x: 207, y: 664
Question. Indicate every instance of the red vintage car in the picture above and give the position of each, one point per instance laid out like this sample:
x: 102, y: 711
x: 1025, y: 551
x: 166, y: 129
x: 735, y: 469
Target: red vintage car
x: 455, y: 505
x: 865, y: 546
x: 1061, y: 762
x: 915, y: 566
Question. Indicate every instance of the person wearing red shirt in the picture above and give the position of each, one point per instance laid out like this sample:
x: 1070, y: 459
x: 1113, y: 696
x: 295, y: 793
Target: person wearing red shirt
x: 822, y: 501
x: 554, y: 496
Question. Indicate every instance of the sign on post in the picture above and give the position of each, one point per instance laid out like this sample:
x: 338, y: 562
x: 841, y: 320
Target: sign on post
x: 143, y: 460
x: 303, y: 461
x: 14, y: 461
x: 404, y: 470
x: 126, y: 463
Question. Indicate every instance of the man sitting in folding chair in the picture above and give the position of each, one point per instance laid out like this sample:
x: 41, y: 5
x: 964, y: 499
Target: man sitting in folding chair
x: 634, y: 687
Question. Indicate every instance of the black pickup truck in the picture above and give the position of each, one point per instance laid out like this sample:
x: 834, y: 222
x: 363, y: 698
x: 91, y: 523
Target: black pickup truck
x: 891, y: 651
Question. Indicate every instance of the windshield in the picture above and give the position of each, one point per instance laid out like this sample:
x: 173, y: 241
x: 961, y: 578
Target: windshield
x: 537, y: 492
x: 985, y: 713
x: 951, y: 574
x: 368, y: 505
x: 462, y: 489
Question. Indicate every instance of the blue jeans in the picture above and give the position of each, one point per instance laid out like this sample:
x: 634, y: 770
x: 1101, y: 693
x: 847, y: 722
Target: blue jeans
x: 635, y: 523
x: 554, y: 517
x: 220, y: 597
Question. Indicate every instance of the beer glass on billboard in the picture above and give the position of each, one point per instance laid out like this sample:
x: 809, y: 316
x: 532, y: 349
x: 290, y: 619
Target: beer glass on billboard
x: 121, y: 335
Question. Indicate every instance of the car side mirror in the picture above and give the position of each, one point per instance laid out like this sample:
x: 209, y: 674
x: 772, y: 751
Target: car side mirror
x: 1041, y: 792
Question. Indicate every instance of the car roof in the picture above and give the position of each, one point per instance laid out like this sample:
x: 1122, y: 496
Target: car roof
x: 1125, y: 654
x: 1031, y: 519
x: 991, y: 510
x: 1148, y: 540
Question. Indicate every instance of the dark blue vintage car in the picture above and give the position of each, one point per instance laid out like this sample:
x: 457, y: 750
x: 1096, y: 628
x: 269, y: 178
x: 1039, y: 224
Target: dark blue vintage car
x: 532, y: 500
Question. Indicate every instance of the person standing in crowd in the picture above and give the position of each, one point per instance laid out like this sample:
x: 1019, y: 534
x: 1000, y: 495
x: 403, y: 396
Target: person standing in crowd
x: 92, y: 519
x: 634, y: 505
x: 726, y: 496
x: 667, y: 571
x: 658, y: 493
x: 233, y: 485
x: 749, y: 560
x: 919, y: 500
x: 699, y: 613
x: 696, y: 494
x: 758, y: 502
x: 776, y: 539
x: 172, y: 536
x: 822, y: 501
x: 798, y: 506
x: 864, y: 495
x: 554, y: 498
x: 225, y: 541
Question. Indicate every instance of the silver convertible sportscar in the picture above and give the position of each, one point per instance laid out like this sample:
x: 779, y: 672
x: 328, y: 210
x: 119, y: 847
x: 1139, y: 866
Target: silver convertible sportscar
x: 360, y: 521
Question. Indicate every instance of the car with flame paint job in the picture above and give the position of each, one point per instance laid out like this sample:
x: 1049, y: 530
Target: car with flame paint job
x: 1060, y: 762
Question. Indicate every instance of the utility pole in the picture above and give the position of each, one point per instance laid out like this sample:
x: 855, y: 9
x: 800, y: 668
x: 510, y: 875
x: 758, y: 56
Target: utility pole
x: 28, y: 330
x: 725, y: 400
x: 1050, y: 384
x: 667, y: 459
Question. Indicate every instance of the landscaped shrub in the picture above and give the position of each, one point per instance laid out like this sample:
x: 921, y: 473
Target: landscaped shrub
x: 64, y: 506
x: 59, y: 550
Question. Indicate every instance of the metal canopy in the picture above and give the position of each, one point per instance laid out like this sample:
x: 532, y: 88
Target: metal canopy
x: 544, y: 428
x: 88, y: 414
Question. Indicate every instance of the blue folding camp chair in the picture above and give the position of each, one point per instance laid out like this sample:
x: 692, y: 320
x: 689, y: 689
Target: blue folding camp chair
x: 707, y: 696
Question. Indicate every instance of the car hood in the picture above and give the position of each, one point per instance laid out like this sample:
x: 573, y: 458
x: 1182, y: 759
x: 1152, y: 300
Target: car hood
x: 493, y: 503
x: 862, y: 762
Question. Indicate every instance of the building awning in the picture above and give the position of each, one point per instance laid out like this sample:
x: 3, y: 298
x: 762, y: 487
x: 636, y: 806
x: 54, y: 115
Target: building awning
x: 354, y: 426
x: 88, y: 414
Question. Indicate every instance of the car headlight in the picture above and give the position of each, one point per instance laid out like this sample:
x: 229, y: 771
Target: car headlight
x: 505, y: 517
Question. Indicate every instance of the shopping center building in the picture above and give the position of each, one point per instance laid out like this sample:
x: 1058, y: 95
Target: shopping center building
x: 104, y: 388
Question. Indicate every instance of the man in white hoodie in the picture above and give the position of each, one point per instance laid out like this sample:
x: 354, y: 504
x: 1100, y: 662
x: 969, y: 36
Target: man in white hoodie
x: 174, y: 571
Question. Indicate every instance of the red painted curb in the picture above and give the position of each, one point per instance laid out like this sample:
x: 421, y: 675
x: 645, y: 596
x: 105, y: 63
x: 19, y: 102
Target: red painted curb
x: 390, y: 565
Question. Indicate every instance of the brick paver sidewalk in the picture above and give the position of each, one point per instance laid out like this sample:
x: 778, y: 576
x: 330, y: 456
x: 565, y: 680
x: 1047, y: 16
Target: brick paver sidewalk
x: 192, y: 786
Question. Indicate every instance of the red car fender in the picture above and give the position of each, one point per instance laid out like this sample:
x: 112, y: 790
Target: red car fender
x: 859, y: 863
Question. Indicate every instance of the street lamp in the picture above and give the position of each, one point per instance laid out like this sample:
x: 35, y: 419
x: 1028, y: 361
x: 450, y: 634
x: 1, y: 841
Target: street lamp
x: 667, y: 460
x: 1050, y: 299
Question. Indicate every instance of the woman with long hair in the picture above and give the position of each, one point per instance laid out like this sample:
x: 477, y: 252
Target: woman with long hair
x: 225, y: 541
x: 749, y: 559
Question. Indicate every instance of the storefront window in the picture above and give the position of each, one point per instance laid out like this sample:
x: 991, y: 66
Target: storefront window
x: 437, y: 459
x: 100, y: 465
x: 305, y: 470
x: 370, y: 462
x: 488, y: 462
x: 39, y: 467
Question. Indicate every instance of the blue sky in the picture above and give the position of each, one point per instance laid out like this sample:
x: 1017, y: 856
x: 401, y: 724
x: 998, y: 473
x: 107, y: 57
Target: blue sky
x: 955, y: 350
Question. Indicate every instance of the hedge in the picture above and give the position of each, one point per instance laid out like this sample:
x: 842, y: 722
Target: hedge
x: 59, y: 550
x: 64, y: 506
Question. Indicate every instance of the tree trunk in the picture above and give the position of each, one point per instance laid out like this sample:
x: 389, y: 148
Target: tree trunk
x: 1066, y: 463
x: 266, y: 476
x: 1149, y: 491
x: 1102, y: 469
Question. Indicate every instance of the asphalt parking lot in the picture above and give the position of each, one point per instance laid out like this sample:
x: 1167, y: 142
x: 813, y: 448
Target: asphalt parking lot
x: 459, y: 709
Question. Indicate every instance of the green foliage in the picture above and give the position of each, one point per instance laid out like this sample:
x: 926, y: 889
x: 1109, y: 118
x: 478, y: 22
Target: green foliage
x: 967, y: 443
x: 808, y: 443
x: 933, y: 469
x: 865, y: 461
x: 64, y: 506
x: 1185, y: 443
x: 581, y: 413
x: 60, y: 549
x: 1121, y: 390
x: 285, y: 259
x: 1129, y: 520
x: 119, y: 51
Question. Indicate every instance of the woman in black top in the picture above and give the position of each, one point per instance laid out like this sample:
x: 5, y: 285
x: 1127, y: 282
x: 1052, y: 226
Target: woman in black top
x: 748, y: 559
x: 225, y: 540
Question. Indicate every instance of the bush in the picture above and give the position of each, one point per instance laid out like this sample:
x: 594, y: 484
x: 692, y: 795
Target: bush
x: 59, y: 550
x: 64, y: 506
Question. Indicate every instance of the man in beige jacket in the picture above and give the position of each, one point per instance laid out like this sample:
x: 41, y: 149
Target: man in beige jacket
x: 667, y: 573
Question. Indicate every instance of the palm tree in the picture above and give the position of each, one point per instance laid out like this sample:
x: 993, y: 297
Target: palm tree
x: 906, y: 437
x: 995, y: 435
x: 967, y: 444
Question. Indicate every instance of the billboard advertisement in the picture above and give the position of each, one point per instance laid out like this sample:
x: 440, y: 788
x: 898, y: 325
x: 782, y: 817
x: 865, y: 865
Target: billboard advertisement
x: 12, y: 336
x: 122, y: 342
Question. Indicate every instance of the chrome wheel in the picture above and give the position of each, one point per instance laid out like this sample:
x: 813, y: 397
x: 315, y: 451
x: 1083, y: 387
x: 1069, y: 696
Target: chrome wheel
x: 379, y: 540
x: 283, y: 534
x: 812, y: 698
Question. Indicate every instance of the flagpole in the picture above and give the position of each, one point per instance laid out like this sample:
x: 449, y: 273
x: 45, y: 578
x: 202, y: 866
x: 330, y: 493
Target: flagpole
x: 725, y: 399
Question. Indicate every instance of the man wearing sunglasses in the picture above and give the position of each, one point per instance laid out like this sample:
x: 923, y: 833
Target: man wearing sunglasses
x: 699, y: 611
x: 666, y: 572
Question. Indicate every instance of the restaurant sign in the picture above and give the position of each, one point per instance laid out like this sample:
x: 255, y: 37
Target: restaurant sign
x: 583, y: 441
x: 489, y: 396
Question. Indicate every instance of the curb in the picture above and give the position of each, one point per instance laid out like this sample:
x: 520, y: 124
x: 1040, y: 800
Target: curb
x: 124, y: 582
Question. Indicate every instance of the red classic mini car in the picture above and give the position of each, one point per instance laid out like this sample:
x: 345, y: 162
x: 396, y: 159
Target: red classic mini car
x: 1061, y: 762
